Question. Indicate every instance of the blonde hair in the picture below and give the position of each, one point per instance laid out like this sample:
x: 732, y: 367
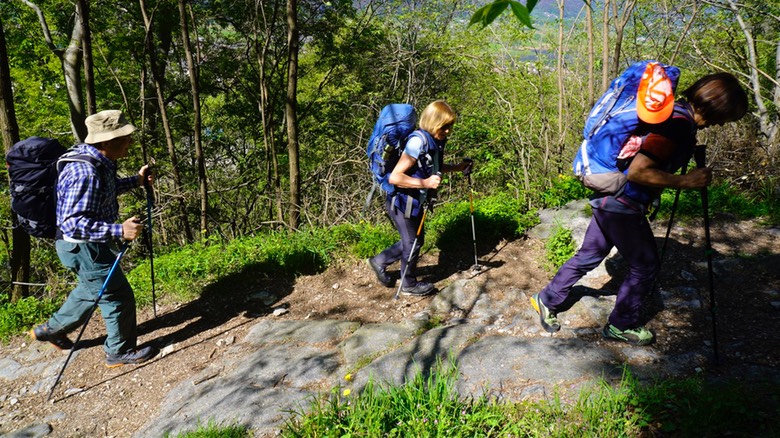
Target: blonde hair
x: 436, y: 116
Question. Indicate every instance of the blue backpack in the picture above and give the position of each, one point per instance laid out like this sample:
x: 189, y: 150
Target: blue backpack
x: 396, y: 121
x: 33, y: 165
x: 608, y: 127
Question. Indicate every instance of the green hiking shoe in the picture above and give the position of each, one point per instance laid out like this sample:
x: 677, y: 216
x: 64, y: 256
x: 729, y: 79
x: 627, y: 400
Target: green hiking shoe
x: 547, y: 317
x: 634, y: 336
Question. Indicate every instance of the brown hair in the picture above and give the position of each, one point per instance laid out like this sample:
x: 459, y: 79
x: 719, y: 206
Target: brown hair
x: 718, y: 98
x: 436, y: 116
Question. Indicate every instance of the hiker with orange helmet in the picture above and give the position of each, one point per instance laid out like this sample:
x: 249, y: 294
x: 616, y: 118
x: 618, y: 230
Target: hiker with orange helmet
x: 664, y: 143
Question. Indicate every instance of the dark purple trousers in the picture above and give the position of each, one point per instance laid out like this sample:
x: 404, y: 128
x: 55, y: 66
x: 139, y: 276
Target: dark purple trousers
x: 633, y: 238
x: 400, y: 250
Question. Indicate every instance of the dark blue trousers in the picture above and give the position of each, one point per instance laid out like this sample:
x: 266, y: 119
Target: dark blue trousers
x: 400, y: 250
x: 633, y: 238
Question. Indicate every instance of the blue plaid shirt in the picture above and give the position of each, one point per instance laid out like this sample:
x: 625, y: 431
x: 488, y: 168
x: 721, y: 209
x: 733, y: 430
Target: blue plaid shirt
x: 87, y: 206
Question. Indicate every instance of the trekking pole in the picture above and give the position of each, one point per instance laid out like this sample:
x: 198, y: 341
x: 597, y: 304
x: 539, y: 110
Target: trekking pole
x: 699, y: 155
x: 121, y: 253
x: 476, y: 266
x: 148, y: 235
x: 671, y: 221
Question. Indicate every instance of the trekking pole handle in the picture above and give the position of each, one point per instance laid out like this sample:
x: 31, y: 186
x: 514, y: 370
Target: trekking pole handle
x: 699, y: 155
x: 469, y: 166
x: 148, y: 171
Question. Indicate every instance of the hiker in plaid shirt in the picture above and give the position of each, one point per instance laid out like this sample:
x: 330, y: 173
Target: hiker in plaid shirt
x: 87, y: 210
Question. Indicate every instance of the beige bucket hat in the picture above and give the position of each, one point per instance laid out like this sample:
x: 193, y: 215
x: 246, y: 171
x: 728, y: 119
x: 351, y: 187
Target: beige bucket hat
x: 107, y: 125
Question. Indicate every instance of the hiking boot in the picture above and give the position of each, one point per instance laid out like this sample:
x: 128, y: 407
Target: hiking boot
x: 634, y: 336
x: 381, y: 275
x: 420, y: 289
x: 132, y: 357
x: 44, y: 333
x: 547, y: 317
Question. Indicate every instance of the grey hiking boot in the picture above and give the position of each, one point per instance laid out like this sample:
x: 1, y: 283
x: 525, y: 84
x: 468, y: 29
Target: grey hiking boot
x: 547, y: 317
x: 44, y: 333
x: 634, y: 336
x: 132, y: 357
x: 420, y: 289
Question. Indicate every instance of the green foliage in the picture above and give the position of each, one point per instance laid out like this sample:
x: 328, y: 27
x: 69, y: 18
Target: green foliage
x: 722, y: 198
x: 214, y: 430
x: 559, y: 247
x: 695, y: 407
x: 488, y: 13
x: 430, y: 406
x: 562, y: 190
x: 425, y: 406
x: 23, y: 314
x: 363, y: 240
x: 184, y: 273
x: 495, y: 217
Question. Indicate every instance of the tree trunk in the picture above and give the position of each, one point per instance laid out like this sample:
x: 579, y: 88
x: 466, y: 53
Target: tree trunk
x: 70, y: 58
x: 605, y: 74
x: 156, y: 76
x: 82, y: 9
x: 266, y: 107
x: 291, y: 112
x: 195, y: 86
x: 591, y: 52
x: 561, y: 87
x: 620, y: 27
x: 20, y: 249
x: 767, y: 123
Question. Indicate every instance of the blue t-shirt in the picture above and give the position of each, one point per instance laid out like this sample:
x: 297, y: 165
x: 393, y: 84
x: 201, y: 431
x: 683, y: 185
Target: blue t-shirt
x: 414, y: 147
x: 425, y: 152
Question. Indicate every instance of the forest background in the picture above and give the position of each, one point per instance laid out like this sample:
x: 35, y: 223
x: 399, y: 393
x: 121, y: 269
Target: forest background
x: 257, y: 113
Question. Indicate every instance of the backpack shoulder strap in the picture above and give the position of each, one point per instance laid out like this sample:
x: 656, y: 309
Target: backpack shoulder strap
x: 72, y: 157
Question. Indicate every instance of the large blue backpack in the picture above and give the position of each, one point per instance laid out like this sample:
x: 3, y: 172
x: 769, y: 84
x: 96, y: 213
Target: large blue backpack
x: 396, y: 121
x: 33, y: 169
x: 609, y: 125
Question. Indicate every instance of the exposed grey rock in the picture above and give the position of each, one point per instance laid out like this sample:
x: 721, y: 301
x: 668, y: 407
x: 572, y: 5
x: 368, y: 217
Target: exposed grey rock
x: 268, y: 331
x: 372, y: 339
x: 34, y: 431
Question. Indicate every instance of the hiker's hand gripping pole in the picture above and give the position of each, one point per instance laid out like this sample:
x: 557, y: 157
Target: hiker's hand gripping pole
x: 699, y: 155
x: 147, y: 175
x: 111, y: 271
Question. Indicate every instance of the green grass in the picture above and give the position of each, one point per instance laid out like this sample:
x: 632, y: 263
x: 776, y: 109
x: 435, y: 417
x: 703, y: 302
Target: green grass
x: 214, y: 430
x: 722, y: 198
x: 429, y: 406
x: 20, y: 316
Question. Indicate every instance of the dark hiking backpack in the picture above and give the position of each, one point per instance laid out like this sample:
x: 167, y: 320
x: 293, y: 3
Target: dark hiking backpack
x: 610, y: 124
x: 394, y: 124
x: 32, y: 170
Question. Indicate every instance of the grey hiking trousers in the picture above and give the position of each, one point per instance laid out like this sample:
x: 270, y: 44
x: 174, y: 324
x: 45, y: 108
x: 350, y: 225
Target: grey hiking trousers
x: 91, y: 262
